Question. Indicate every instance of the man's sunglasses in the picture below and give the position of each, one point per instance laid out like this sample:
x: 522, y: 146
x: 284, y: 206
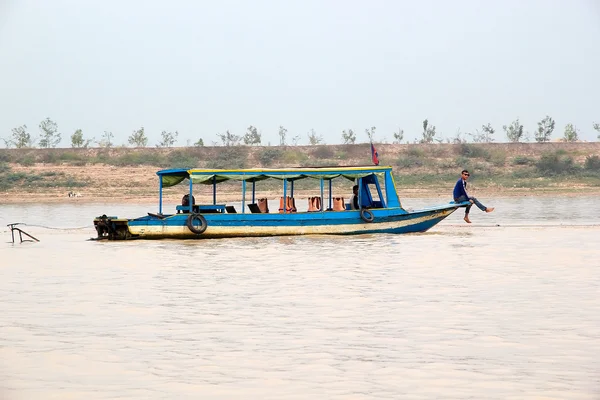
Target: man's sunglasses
x: 467, y: 174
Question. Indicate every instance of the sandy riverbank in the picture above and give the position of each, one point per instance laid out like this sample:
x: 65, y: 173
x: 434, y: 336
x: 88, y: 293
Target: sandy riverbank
x: 501, y: 170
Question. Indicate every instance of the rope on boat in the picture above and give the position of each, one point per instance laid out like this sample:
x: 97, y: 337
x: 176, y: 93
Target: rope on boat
x: 54, y: 228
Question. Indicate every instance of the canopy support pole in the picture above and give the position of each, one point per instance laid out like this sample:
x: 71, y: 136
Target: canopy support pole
x: 214, y: 189
x: 322, y: 185
x: 244, y: 196
x: 160, y: 187
x: 284, y: 196
x: 191, y: 199
x: 330, y: 194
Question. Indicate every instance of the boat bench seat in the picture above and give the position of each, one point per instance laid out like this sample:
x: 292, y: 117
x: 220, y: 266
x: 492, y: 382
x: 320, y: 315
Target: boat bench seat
x: 263, y: 205
x: 314, y: 204
x: 339, y: 204
x: 290, y: 204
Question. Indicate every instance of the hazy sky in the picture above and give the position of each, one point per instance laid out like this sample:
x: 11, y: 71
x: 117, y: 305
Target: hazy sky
x: 203, y: 67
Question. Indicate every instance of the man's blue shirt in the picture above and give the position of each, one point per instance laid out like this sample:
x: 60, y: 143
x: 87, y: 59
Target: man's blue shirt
x: 459, y: 189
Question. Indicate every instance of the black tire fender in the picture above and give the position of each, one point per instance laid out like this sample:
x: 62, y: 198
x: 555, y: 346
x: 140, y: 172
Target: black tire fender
x: 190, y: 223
x: 366, y: 215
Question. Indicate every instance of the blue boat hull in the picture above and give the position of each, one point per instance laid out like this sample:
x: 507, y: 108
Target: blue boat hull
x: 222, y: 225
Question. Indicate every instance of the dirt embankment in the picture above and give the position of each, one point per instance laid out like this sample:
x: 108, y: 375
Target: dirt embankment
x: 128, y: 174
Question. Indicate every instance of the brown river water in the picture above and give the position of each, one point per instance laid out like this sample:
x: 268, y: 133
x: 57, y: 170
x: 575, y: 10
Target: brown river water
x: 505, y: 308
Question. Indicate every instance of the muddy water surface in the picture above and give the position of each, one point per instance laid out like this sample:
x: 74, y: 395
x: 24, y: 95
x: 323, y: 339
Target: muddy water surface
x: 505, y: 308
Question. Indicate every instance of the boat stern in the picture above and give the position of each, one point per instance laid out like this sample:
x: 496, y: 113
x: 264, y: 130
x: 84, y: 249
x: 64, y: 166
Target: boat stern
x: 112, y: 228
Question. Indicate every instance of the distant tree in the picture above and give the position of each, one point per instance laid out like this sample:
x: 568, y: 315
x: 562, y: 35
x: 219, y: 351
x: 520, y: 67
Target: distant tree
x: 571, y: 133
x: 484, y: 135
x: 458, y: 139
x: 168, y: 139
x: 514, y: 131
x: 428, y: 132
x: 371, y: 133
x: 398, y: 136
x: 106, y: 139
x: 296, y: 140
x: 77, y: 139
x: 229, y: 139
x: 597, y: 128
x: 488, y: 132
x: 199, y: 143
x: 252, y: 136
x: 348, y: 137
x: 21, y: 138
x: 138, y: 138
x: 282, y: 135
x: 544, y: 130
x: 313, y: 138
x: 49, y: 136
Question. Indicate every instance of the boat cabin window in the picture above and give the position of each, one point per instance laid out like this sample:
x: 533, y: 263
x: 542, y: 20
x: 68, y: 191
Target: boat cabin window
x: 375, y: 201
x: 372, y: 194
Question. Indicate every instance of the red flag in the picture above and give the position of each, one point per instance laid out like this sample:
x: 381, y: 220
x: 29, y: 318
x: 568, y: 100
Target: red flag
x: 374, y: 155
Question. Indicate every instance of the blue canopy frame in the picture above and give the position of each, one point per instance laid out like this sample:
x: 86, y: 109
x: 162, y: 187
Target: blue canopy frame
x: 363, y: 175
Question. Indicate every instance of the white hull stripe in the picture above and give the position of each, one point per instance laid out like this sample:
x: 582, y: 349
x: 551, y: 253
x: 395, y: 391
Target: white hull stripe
x: 230, y: 231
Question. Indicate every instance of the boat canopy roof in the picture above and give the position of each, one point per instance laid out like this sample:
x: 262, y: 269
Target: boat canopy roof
x: 172, y: 177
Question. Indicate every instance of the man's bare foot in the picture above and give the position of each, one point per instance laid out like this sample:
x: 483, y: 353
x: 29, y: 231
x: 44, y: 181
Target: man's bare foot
x: 489, y: 209
x: 467, y: 220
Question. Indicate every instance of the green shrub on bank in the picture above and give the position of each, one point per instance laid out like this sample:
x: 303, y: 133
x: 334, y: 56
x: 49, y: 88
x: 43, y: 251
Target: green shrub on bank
x: 341, y: 155
x: 269, y: 155
x: 10, y: 180
x: 228, y: 157
x: 26, y: 161
x: 73, y: 183
x: 410, y: 162
x: 443, y: 181
x: 48, y: 174
x: 415, y: 151
x: 134, y: 158
x: 555, y: 164
x: 523, y: 160
x: 498, y: 158
x: 525, y: 173
x: 294, y: 157
x: 323, y: 152
x: 472, y: 151
x: 179, y: 159
x: 5, y: 156
x: 463, y: 163
x: 592, y: 163
x: 49, y: 158
x: 71, y: 156
x: 103, y: 157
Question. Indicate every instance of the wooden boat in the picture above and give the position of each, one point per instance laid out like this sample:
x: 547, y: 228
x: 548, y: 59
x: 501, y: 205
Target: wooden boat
x: 380, y: 210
